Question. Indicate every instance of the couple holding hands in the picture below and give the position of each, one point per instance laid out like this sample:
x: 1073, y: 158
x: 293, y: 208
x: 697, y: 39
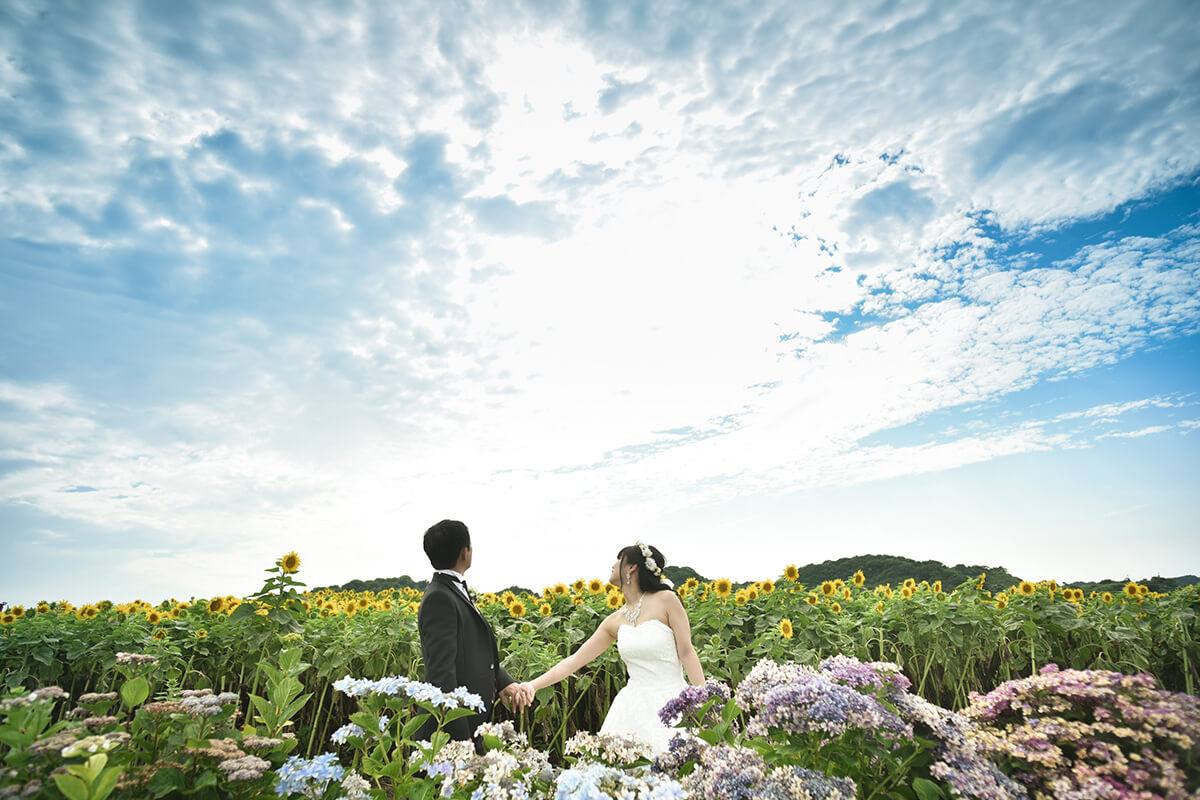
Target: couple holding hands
x: 651, y: 631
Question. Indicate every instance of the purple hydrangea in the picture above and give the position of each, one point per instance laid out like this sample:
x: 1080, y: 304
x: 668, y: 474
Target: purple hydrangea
x: 691, y: 700
x: 1091, y: 734
x: 812, y: 702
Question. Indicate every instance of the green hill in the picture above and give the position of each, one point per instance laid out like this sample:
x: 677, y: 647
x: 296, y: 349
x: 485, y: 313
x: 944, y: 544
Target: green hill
x: 877, y: 569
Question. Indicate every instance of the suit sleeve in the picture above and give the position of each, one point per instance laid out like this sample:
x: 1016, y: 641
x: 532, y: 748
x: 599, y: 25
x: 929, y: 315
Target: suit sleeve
x: 502, y: 677
x: 437, y: 622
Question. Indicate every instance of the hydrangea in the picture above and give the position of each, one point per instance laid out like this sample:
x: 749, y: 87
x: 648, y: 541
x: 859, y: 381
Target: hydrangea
x: 308, y: 776
x: 957, y: 759
x: 815, y: 703
x: 857, y: 674
x: 345, y: 732
x: 614, y: 749
x: 1090, y: 734
x: 395, y: 685
x: 691, y: 700
x: 592, y: 781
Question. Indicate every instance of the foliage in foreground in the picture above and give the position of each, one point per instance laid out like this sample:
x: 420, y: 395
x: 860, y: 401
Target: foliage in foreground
x: 841, y: 730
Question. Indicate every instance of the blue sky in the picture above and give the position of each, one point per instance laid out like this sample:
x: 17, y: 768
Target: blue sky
x: 759, y: 284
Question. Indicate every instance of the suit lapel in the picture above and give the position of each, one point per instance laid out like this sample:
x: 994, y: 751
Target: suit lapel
x: 452, y: 588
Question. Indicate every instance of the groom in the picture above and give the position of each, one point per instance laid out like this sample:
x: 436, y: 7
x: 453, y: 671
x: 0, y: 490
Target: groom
x: 457, y: 644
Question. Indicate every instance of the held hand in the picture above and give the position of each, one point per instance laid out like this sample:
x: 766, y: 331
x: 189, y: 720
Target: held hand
x: 517, y: 696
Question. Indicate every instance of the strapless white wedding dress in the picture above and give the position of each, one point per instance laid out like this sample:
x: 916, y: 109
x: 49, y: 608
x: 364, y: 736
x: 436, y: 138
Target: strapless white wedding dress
x: 655, y: 676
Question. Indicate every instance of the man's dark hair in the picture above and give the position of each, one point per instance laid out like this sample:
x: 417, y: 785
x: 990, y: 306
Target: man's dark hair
x: 444, y: 541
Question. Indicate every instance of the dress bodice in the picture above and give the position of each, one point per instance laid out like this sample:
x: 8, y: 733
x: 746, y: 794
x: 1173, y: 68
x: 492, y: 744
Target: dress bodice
x: 649, y: 653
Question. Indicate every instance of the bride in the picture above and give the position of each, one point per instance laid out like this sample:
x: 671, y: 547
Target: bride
x: 654, y: 638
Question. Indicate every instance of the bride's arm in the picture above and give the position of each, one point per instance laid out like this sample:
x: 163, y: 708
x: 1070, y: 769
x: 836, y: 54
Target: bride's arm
x: 681, y: 626
x: 599, y: 641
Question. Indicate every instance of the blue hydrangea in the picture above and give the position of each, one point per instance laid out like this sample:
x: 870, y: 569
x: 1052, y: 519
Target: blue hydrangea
x: 345, y: 732
x: 308, y: 776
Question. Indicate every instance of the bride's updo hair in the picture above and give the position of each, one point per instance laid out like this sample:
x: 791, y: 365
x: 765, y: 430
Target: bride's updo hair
x: 647, y: 581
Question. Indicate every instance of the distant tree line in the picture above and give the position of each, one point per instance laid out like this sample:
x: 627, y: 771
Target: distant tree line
x: 878, y: 569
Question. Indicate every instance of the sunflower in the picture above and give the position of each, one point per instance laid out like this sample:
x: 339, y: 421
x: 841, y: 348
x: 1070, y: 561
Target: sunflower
x: 751, y: 592
x: 615, y: 600
x: 560, y: 589
x: 937, y: 586
x: 723, y: 586
x: 18, y: 611
x: 351, y: 608
x: 791, y: 573
x: 785, y: 628
x: 290, y: 563
x: 879, y: 607
x: 508, y: 598
x: 517, y: 609
x: 89, y: 612
x: 910, y: 583
x: 1001, y: 603
x: 1107, y: 597
x: 8, y: 618
x: 545, y: 610
x: 1143, y: 591
x: 811, y: 599
x: 1026, y: 588
x: 161, y: 633
x: 906, y: 592
x: 767, y: 586
x: 836, y: 608
x: 690, y: 584
x: 846, y: 593
x: 576, y: 599
x: 859, y: 579
x: 595, y: 586
x: 363, y: 602
x: 579, y: 585
x: 828, y: 588
x: 216, y: 605
x: 43, y: 607
x: 153, y: 617
x: 740, y: 597
x: 200, y: 634
x: 982, y: 578
x: 386, y: 605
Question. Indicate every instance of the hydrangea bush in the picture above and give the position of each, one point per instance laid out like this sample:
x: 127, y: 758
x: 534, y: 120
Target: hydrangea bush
x: 842, y: 729
x: 1092, y: 735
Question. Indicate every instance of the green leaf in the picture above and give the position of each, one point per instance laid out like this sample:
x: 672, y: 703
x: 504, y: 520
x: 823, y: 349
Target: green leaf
x: 545, y: 694
x: 205, y: 780
x: 73, y: 788
x: 134, y: 692
x: 413, y: 725
x: 265, y: 710
x: 926, y: 789
x: 365, y: 720
x: 108, y: 780
x: 295, y: 706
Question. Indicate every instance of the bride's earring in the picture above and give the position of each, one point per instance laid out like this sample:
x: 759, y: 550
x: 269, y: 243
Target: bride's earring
x: 626, y: 579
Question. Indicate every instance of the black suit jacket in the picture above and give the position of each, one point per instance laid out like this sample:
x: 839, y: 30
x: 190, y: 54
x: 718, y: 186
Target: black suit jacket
x: 459, y: 649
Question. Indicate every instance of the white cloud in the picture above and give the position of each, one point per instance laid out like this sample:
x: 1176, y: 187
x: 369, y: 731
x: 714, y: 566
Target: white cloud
x: 383, y: 265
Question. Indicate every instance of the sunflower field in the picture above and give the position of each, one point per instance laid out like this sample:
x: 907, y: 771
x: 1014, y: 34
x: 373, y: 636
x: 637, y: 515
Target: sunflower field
x: 949, y: 641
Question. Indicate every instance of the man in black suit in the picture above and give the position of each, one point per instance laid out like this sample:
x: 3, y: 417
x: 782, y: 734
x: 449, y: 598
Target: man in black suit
x: 457, y: 644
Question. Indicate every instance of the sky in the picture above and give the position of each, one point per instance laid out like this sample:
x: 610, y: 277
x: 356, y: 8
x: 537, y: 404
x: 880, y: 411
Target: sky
x: 757, y: 283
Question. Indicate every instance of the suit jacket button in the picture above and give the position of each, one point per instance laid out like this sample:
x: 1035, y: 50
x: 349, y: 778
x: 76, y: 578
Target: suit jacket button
x: 491, y: 666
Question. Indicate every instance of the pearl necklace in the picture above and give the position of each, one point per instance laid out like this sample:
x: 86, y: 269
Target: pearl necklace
x: 631, y: 616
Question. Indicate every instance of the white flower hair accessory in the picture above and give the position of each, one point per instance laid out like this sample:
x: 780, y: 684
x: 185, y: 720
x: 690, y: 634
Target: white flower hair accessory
x: 653, y: 566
